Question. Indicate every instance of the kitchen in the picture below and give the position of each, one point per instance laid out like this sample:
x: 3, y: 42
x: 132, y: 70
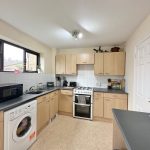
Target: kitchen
x: 73, y: 67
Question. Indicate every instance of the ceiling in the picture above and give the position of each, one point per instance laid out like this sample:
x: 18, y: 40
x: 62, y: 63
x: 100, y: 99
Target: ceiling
x: 102, y: 22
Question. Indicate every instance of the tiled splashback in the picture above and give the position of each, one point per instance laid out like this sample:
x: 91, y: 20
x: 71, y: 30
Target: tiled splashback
x: 86, y: 77
x: 27, y: 79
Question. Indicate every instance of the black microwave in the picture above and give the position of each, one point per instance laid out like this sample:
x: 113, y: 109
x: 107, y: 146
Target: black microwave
x: 10, y: 91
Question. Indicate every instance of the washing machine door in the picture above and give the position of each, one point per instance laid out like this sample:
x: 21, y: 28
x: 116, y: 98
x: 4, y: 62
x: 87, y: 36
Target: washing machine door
x: 22, y: 127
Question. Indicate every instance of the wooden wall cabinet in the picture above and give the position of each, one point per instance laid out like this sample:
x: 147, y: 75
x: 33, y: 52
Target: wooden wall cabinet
x: 114, y: 63
x: 71, y: 66
x: 108, y: 63
x: 118, y: 101
x: 66, y: 64
x: 60, y: 62
x: 85, y: 58
x: 42, y: 112
x: 99, y: 64
x: 119, y: 63
x: 66, y: 102
x: 1, y: 131
x: 98, y: 105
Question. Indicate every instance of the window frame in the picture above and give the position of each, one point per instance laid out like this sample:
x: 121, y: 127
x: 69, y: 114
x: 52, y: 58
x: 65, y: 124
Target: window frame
x: 25, y: 50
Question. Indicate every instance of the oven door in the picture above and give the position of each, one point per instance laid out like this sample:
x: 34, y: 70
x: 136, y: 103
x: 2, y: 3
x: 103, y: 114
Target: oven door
x: 82, y: 99
x: 82, y: 110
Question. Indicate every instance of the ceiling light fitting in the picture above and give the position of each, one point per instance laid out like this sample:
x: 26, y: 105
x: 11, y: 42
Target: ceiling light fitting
x: 77, y: 35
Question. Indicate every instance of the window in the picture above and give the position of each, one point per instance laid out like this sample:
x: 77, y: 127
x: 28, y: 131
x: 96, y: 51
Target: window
x: 14, y: 57
x: 31, y: 62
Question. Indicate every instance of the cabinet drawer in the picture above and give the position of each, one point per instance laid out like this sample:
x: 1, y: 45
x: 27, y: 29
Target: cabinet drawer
x: 98, y: 95
x: 66, y: 92
x: 118, y: 96
x: 53, y: 94
x: 42, y: 98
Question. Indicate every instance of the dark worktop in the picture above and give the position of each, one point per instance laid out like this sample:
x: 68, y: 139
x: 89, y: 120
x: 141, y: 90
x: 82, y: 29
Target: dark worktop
x: 135, y: 128
x: 28, y: 97
x: 109, y: 91
x: 23, y: 99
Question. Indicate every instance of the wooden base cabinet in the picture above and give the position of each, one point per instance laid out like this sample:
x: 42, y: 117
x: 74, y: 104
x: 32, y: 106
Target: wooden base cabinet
x: 98, y: 105
x: 53, y: 104
x: 1, y: 131
x: 66, y: 102
x: 42, y: 112
x: 118, y: 141
x: 118, y: 101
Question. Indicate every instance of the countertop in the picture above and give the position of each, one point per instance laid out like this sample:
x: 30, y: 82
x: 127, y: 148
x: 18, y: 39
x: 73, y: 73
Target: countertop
x: 109, y: 91
x: 135, y: 128
x: 28, y: 97
x: 23, y: 99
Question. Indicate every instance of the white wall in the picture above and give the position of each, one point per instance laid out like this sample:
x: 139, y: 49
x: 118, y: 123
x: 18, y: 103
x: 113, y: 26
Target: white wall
x: 27, y: 79
x: 11, y: 34
x: 86, y: 77
x: 139, y: 35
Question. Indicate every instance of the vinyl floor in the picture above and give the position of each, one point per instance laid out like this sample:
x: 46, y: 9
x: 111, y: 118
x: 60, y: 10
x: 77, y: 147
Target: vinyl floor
x: 67, y: 133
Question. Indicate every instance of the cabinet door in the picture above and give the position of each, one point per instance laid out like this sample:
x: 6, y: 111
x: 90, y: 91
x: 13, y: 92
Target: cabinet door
x: 114, y: 63
x: 1, y: 131
x: 119, y: 63
x: 60, y: 64
x: 120, y: 104
x: 118, y: 101
x: 52, y: 107
x: 42, y: 112
x: 85, y: 58
x: 108, y: 105
x: 56, y: 103
x: 98, y: 104
x: 65, y: 103
x: 71, y: 64
x: 99, y: 65
x: 108, y: 63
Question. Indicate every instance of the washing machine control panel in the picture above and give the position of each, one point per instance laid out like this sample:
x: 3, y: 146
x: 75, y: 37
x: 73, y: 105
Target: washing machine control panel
x: 26, y: 108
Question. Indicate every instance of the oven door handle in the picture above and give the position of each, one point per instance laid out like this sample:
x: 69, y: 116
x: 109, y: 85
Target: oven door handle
x: 82, y: 104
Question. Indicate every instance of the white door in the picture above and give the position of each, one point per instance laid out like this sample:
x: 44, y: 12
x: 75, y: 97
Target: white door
x: 142, y: 77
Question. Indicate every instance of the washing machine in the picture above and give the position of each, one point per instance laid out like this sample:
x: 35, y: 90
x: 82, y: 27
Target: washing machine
x: 20, y: 124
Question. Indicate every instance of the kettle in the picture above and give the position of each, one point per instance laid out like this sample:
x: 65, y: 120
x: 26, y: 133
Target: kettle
x: 65, y: 83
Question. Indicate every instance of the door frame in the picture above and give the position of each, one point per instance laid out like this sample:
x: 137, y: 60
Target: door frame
x: 134, y: 107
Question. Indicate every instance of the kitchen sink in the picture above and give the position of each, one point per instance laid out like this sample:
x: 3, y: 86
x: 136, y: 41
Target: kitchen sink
x: 34, y: 92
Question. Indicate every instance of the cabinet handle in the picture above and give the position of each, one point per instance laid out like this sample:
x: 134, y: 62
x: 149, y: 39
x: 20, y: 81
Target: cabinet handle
x: 84, y: 62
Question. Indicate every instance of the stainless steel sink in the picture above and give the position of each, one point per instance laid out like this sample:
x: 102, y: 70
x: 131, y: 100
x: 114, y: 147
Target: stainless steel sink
x: 34, y: 92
